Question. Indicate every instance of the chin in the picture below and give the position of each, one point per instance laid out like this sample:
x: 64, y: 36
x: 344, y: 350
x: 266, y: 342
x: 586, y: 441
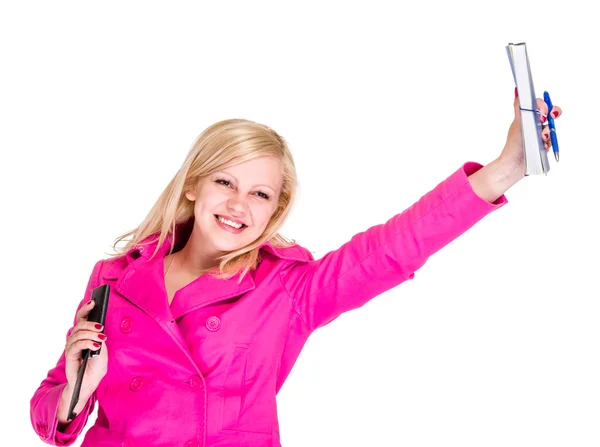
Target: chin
x: 225, y: 247
x: 229, y: 242
x: 222, y: 241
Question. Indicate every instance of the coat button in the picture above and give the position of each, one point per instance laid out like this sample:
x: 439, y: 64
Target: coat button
x: 195, y: 381
x: 136, y: 383
x: 192, y: 444
x: 213, y: 324
x: 126, y: 325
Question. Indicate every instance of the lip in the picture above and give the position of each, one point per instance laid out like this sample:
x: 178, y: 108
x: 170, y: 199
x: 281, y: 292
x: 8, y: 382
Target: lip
x: 228, y: 228
x: 231, y: 219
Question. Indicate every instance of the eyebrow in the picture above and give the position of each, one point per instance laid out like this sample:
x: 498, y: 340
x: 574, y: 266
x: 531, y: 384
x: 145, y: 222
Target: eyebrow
x: 233, y: 176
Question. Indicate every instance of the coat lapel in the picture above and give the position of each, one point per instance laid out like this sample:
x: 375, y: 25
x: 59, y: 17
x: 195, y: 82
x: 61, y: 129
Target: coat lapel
x: 142, y: 284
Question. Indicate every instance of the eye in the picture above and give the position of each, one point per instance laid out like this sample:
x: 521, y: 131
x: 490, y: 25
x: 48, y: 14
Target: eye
x: 223, y: 182
x: 228, y: 184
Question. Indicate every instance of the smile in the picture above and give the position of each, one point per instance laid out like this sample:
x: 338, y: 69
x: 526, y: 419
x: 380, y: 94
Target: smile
x: 227, y: 224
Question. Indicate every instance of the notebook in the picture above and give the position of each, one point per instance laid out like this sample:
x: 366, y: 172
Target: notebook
x: 536, y: 157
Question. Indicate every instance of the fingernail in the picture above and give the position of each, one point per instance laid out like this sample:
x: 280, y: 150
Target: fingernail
x: 543, y: 119
x: 98, y: 326
x: 516, y: 93
x: 555, y: 113
x: 96, y: 345
x: 102, y: 336
x: 88, y: 303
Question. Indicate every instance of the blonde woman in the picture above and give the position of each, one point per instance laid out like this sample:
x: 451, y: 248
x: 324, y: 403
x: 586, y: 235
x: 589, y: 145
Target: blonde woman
x: 210, y: 306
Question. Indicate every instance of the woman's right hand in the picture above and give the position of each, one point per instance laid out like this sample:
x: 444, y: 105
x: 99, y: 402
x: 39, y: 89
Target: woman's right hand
x: 85, y: 335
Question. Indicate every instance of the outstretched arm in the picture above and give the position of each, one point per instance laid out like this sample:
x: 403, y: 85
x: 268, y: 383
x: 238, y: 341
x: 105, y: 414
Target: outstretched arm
x: 386, y: 255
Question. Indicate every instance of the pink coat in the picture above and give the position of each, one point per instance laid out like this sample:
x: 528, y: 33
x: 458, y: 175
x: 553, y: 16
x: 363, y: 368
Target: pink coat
x: 205, y: 371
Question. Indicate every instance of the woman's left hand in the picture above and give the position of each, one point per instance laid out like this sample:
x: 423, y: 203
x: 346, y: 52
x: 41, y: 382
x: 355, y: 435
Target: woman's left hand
x: 512, y: 153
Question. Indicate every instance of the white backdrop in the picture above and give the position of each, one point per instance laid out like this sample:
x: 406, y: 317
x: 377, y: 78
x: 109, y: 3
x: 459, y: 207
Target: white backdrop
x: 495, y: 341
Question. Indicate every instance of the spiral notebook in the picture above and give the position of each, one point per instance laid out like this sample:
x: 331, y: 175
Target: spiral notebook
x: 536, y: 157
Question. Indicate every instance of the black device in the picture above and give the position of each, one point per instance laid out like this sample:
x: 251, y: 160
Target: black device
x: 98, y: 315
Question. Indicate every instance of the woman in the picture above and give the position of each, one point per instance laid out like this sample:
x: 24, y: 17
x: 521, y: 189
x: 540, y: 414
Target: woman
x: 210, y: 306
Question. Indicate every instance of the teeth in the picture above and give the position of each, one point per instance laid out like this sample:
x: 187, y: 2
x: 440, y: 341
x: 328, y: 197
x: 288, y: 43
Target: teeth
x: 230, y: 223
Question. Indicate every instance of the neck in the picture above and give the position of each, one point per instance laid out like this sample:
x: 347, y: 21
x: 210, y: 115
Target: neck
x: 194, y: 259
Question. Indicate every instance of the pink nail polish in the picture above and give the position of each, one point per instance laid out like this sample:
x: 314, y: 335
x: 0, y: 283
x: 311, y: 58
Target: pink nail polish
x: 516, y: 93
x: 555, y: 113
x: 543, y: 119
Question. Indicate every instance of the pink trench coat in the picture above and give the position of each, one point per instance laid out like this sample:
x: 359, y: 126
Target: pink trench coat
x: 205, y: 371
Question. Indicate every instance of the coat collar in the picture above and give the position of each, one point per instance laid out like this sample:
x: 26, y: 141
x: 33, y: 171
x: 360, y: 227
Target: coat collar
x: 140, y: 279
x: 145, y: 249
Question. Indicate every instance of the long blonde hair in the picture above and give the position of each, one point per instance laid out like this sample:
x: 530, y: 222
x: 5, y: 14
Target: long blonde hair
x: 220, y: 146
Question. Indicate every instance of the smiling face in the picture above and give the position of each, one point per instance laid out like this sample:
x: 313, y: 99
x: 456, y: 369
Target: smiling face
x: 246, y: 194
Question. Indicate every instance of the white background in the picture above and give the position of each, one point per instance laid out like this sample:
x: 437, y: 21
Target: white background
x: 494, y: 343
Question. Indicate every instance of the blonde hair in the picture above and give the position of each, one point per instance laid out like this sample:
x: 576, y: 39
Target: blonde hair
x: 220, y: 146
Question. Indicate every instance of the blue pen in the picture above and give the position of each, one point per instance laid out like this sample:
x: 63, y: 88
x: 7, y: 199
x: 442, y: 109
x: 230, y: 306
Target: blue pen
x: 551, y: 125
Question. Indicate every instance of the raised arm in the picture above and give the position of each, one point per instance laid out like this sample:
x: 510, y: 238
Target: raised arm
x: 386, y: 255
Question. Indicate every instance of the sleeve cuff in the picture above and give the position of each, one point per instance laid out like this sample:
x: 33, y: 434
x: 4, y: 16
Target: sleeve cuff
x: 462, y: 175
x: 67, y: 434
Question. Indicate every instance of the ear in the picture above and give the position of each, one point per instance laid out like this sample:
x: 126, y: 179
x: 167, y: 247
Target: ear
x: 190, y: 194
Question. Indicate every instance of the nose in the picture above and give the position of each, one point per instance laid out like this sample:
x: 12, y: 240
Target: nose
x: 237, y: 205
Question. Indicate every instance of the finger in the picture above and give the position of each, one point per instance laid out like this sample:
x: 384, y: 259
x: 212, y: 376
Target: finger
x: 103, y: 352
x: 517, y: 107
x: 75, y: 351
x: 83, y: 313
x: 86, y: 326
x: 542, y: 106
x: 84, y: 335
x: 546, y: 134
x: 546, y: 137
x: 556, y: 112
x: 90, y: 326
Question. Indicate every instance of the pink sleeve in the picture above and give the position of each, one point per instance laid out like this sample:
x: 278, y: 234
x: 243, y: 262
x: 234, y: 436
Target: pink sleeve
x: 386, y: 255
x: 46, y: 398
